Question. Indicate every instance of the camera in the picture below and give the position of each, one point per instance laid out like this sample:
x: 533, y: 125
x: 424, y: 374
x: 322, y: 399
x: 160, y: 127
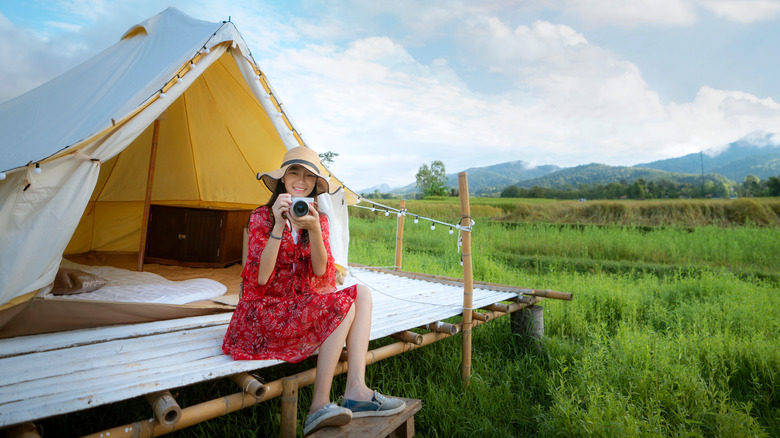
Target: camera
x: 300, y: 206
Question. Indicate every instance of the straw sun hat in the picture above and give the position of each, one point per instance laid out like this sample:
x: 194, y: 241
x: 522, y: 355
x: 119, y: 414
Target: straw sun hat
x: 306, y: 158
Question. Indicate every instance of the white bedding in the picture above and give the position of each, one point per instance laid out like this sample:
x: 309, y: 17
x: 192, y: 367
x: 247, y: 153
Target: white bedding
x: 144, y: 287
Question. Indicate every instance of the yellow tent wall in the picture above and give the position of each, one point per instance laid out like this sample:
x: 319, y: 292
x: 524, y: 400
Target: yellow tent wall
x: 212, y: 141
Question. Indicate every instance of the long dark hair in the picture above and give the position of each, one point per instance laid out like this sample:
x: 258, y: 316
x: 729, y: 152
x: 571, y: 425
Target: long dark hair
x: 304, y: 237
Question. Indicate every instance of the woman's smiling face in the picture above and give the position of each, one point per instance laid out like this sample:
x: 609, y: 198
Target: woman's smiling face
x: 298, y: 181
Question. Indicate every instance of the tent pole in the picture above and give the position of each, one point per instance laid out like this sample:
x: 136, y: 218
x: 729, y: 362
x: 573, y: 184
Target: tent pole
x: 468, y: 277
x: 148, y: 199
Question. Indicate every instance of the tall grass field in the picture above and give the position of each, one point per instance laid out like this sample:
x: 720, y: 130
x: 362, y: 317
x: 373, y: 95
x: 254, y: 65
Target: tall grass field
x: 674, y: 329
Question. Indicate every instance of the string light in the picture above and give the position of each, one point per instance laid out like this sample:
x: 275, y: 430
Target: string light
x: 206, y: 50
x: 416, y: 219
x: 178, y: 79
x: 451, y: 230
x: 37, y: 169
x: 193, y: 65
x: 162, y: 94
x: 433, y: 226
x: 2, y: 176
x: 387, y: 213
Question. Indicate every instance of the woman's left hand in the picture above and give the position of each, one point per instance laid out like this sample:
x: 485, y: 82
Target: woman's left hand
x: 309, y: 222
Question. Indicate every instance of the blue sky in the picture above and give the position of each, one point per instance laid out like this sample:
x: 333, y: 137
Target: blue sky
x: 392, y: 85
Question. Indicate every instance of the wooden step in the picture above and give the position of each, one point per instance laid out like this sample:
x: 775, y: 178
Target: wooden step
x: 400, y: 425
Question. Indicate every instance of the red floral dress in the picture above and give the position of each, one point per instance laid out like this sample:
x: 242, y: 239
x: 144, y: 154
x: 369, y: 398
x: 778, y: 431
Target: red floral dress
x: 295, y: 311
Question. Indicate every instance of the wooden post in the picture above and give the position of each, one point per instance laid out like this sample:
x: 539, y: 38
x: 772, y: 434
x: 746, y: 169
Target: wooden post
x: 399, y: 237
x: 289, y: 423
x: 528, y: 324
x: 148, y: 198
x: 468, y: 277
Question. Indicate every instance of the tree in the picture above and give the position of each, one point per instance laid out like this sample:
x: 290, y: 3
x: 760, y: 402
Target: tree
x: 774, y: 185
x: 511, y: 192
x: 431, y: 181
x: 327, y: 158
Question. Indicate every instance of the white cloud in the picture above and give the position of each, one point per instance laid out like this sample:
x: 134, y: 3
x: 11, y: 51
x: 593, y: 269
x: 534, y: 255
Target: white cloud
x: 743, y: 11
x: 629, y: 13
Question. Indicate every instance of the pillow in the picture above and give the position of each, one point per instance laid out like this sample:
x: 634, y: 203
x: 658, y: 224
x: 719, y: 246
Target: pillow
x: 75, y: 281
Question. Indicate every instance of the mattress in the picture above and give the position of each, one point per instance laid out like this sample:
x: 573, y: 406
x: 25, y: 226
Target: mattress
x: 144, y: 287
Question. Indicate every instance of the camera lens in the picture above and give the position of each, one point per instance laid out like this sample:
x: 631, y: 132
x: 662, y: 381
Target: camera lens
x: 300, y: 208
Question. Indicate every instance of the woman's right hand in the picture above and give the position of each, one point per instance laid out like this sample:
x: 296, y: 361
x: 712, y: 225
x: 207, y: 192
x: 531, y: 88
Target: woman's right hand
x: 281, y: 207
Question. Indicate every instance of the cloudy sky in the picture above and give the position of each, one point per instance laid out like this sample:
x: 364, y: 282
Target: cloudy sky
x: 390, y: 85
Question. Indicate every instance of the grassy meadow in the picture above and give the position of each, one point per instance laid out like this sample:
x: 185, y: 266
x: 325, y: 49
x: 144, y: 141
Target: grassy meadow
x: 674, y: 329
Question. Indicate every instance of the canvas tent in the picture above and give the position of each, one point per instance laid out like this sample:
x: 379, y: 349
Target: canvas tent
x: 76, y: 155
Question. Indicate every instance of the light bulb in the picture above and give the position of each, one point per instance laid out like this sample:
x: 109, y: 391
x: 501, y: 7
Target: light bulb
x: 416, y: 220
x: 358, y: 201
x: 373, y: 209
x: 193, y: 65
x: 387, y: 213
x: 2, y: 176
x: 162, y: 94
x: 37, y: 169
x: 451, y: 230
x: 178, y: 79
x: 433, y: 226
x: 207, y: 51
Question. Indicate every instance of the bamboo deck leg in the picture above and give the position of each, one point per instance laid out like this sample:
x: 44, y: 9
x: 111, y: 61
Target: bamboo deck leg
x: 468, y: 277
x: 249, y: 384
x: 399, y: 237
x: 165, y: 408
x: 289, y: 423
x: 24, y: 430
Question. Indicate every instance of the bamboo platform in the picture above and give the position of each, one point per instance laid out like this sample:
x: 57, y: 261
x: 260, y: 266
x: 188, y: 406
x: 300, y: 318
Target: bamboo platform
x: 53, y: 374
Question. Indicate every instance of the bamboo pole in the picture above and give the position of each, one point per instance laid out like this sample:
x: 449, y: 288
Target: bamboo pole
x: 249, y: 384
x: 399, y: 237
x: 24, y: 430
x: 468, y: 277
x: 443, y: 327
x: 166, y: 410
x: 407, y: 336
x: 148, y: 198
x: 289, y: 421
x: 484, y: 317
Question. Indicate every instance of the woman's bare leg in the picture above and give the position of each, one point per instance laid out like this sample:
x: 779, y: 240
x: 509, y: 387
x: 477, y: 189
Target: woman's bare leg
x: 357, y: 346
x: 328, y: 358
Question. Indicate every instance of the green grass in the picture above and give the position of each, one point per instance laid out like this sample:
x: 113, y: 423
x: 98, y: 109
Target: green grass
x: 673, y: 331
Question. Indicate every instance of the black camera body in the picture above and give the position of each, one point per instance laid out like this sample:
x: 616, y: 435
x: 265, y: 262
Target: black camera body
x: 300, y: 206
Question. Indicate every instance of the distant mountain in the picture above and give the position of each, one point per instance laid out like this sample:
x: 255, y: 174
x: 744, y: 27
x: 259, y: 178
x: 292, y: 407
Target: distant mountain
x: 381, y: 188
x: 489, y: 179
x: 739, y: 160
x: 603, y: 174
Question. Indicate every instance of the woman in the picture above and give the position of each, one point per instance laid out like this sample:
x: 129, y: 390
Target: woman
x: 290, y: 305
